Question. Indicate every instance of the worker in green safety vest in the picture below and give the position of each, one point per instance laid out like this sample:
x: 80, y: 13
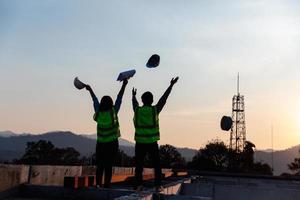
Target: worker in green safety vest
x: 146, y: 123
x: 108, y: 132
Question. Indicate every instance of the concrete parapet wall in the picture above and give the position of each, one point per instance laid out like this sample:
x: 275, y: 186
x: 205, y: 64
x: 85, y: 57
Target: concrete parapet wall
x: 123, y: 170
x: 172, y: 189
x: 91, y: 170
x: 12, y: 175
x: 88, y: 170
x: 52, y: 175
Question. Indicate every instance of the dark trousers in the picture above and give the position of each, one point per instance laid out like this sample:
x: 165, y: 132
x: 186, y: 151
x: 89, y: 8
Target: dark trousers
x: 105, y: 157
x: 141, y: 150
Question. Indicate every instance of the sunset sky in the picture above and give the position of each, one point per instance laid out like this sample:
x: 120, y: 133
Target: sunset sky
x: 45, y: 44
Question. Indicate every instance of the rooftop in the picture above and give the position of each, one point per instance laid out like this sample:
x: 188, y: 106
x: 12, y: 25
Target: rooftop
x: 199, y: 185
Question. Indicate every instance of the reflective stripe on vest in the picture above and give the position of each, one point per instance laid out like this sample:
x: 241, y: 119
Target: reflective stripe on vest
x: 146, y: 124
x: 107, y: 126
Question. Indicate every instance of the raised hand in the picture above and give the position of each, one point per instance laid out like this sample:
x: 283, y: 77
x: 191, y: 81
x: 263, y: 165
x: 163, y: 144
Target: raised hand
x: 88, y: 87
x: 125, y: 81
x: 133, y: 91
x: 174, y: 80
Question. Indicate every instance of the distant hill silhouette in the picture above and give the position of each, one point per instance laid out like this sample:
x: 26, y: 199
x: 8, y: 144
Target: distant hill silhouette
x: 281, y: 158
x: 13, y: 146
x: 10, y: 134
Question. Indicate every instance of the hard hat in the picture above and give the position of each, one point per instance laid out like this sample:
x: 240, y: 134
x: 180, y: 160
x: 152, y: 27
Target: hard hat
x: 153, y: 61
x: 226, y: 123
x: 78, y: 84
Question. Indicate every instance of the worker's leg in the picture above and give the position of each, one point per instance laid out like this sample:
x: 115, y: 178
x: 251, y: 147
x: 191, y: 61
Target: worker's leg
x: 154, y: 153
x: 99, y: 163
x: 140, y: 152
x: 112, y: 151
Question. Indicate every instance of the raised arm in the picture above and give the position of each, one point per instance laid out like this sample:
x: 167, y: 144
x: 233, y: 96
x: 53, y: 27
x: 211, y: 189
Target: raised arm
x: 121, y: 92
x: 95, y: 99
x: 120, y: 96
x: 135, y: 103
x: 162, y: 101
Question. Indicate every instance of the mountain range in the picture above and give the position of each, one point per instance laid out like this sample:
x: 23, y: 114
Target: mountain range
x: 12, y: 146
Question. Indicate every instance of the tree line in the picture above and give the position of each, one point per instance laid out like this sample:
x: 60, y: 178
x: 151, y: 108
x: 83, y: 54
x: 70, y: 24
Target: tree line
x: 45, y: 153
x: 215, y: 156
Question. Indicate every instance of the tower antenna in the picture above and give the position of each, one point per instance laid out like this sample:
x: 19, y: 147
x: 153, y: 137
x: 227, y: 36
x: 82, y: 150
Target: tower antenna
x: 238, y: 129
x: 238, y: 84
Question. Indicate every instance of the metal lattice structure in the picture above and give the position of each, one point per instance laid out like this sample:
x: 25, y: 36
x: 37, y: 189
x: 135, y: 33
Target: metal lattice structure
x: 238, y: 129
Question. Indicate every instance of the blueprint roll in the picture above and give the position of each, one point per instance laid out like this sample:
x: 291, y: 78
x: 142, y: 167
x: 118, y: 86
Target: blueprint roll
x: 126, y: 75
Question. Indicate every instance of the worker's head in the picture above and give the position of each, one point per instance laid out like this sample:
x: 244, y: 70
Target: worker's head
x: 106, y: 103
x: 147, y: 99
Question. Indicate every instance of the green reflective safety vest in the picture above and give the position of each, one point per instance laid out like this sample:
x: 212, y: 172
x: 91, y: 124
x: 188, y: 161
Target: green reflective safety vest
x: 108, y: 128
x: 146, y: 124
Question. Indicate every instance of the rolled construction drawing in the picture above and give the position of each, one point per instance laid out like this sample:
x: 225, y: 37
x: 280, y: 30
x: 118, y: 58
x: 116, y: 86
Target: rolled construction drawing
x: 126, y: 75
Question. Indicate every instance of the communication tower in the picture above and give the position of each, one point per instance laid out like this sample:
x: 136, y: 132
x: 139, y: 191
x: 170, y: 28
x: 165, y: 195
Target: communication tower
x: 238, y: 128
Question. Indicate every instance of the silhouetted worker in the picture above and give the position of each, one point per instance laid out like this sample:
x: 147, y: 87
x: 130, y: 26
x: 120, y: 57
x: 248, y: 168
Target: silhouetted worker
x: 147, y: 133
x: 108, y: 132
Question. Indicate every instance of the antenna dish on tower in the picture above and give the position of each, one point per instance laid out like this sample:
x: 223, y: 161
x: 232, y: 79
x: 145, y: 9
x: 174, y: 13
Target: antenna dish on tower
x: 226, y: 123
